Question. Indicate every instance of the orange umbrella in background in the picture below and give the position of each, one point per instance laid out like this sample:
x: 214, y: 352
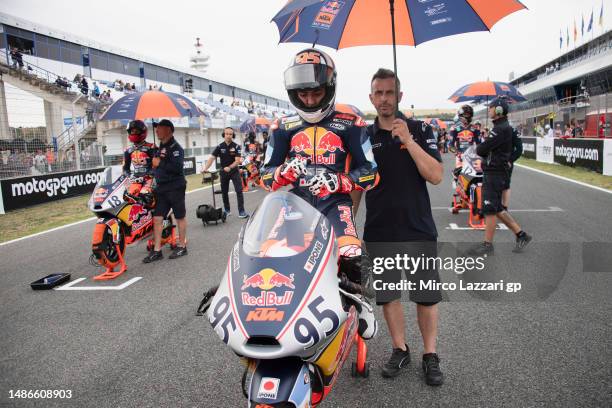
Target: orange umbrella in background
x: 346, y: 108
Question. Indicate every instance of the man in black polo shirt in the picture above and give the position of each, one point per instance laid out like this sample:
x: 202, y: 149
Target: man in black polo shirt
x: 496, y: 152
x: 170, y: 185
x: 229, y: 153
x: 399, y: 220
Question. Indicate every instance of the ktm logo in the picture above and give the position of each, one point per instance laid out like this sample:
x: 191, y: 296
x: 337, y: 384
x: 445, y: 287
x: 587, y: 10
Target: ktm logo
x: 308, y: 57
x: 263, y: 314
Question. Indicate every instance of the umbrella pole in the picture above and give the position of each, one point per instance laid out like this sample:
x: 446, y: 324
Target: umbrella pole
x: 392, y: 11
x: 487, y: 114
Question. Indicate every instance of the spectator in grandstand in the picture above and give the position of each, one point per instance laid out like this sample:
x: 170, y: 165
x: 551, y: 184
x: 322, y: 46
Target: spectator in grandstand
x: 84, y: 86
x: 568, y: 131
x: 50, y: 156
x: 549, y: 132
x: 96, y: 90
x: 17, y: 58
x: 558, y: 131
x: 40, y: 161
x: 62, y: 82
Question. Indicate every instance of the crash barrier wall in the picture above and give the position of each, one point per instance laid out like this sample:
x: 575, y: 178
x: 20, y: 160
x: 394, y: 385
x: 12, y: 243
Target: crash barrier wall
x: 38, y: 189
x: 592, y: 154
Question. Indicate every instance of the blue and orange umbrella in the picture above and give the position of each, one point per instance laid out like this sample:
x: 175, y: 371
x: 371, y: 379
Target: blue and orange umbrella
x: 151, y: 104
x: 349, y: 23
x: 481, y: 91
x: 258, y: 124
x: 347, y: 108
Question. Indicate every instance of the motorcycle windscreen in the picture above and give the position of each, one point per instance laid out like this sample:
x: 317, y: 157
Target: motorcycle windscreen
x: 285, y: 248
x: 471, y: 162
x: 109, y: 180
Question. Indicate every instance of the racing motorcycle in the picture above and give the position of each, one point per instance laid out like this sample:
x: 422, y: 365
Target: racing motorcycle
x: 250, y: 172
x: 122, y: 221
x: 281, y: 307
x: 467, y: 184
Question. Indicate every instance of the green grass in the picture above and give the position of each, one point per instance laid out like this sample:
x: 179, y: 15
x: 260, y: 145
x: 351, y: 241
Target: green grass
x: 574, y: 173
x: 26, y: 221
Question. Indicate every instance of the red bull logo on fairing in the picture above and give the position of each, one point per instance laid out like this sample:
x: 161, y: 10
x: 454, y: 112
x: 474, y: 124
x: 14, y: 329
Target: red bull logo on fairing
x: 267, y: 279
x: 321, y: 149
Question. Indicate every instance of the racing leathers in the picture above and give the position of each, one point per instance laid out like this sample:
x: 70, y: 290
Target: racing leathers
x: 137, y: 162
x: 324, y: 162
x: 464, y: 136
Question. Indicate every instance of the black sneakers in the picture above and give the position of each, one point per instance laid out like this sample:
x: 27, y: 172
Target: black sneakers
x: 522, y: 239
x: 178, y: 252
x: 431, y: 368
x: 399, y: 359
x: 484, y: 248
x: 153, y: 256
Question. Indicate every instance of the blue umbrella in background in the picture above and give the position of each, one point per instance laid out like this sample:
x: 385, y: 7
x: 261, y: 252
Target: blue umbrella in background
x: 483, y: 91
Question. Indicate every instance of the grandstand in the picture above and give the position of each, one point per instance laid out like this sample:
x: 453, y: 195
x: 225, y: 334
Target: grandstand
x: 574, y: 88
x: 55, y: 63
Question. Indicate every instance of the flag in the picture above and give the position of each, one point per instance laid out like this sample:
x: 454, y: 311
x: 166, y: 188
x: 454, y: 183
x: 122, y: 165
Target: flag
x: 582, y: 27
x: 560, y: 39
x: 575, y: 31
x: 590, y: 23
x: 567, y: 38
x: 601, y: 15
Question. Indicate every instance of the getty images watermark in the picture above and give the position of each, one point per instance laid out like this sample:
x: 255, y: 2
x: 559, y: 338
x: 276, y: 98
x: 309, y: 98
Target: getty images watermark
x: 411, y: 265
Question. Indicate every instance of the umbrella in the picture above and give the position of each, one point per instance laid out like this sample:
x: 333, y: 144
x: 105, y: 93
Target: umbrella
x: 346, y: 108
x: 350, y: 23
x: 258, y: 124
x: 479, y: 91
x: 483, y: 91
x: 439, y: 123
x: 151, y: 104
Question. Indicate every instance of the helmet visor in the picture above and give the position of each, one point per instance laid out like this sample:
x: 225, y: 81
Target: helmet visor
x: 307, y: 76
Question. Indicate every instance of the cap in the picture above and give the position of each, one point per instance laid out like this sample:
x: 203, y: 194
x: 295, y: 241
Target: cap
x: 164, y: 122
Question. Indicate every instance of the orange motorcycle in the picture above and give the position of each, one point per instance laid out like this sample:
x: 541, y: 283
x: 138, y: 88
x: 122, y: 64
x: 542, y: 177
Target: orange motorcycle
x: 122, y: 220
x: 467, y: 184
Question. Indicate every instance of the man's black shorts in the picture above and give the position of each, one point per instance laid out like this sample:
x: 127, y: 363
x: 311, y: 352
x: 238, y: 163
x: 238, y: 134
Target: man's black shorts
x: 492, y: 186
x: 427, y: 273
x: 167, y: 199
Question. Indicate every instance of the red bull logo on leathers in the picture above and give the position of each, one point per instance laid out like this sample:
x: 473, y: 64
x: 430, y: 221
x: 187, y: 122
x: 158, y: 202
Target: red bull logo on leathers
x: 320, y: 147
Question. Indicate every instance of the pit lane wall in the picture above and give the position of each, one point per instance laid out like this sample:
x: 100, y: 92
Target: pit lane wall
x: 26, y: 191
x: 592, y: 154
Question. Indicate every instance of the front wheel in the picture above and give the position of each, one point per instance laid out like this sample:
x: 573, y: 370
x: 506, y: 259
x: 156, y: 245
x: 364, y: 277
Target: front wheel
x: 105, y: 251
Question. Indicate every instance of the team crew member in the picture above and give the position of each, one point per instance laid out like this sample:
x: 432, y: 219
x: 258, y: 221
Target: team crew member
x: 496, y: 152
x: 170, y: 190
x: 229, y: 153
x: 517, y: 151
x: 137, y: 162
x: 398, y: 211
x: 324, y: 155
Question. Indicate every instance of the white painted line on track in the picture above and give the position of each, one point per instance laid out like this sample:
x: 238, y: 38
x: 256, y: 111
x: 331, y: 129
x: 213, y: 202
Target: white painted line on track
x: 70, y: 285
x: 76, y: 223
x: 564, y: 178
x: 455, y: 227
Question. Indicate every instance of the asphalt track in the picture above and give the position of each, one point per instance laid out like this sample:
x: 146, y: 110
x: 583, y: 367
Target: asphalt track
x: 548, y: 345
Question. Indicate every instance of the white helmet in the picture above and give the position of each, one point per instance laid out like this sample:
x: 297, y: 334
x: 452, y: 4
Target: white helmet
x: 311, y: 69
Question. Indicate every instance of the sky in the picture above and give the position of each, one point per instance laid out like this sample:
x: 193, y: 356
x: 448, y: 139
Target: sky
x: 244, y: 50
